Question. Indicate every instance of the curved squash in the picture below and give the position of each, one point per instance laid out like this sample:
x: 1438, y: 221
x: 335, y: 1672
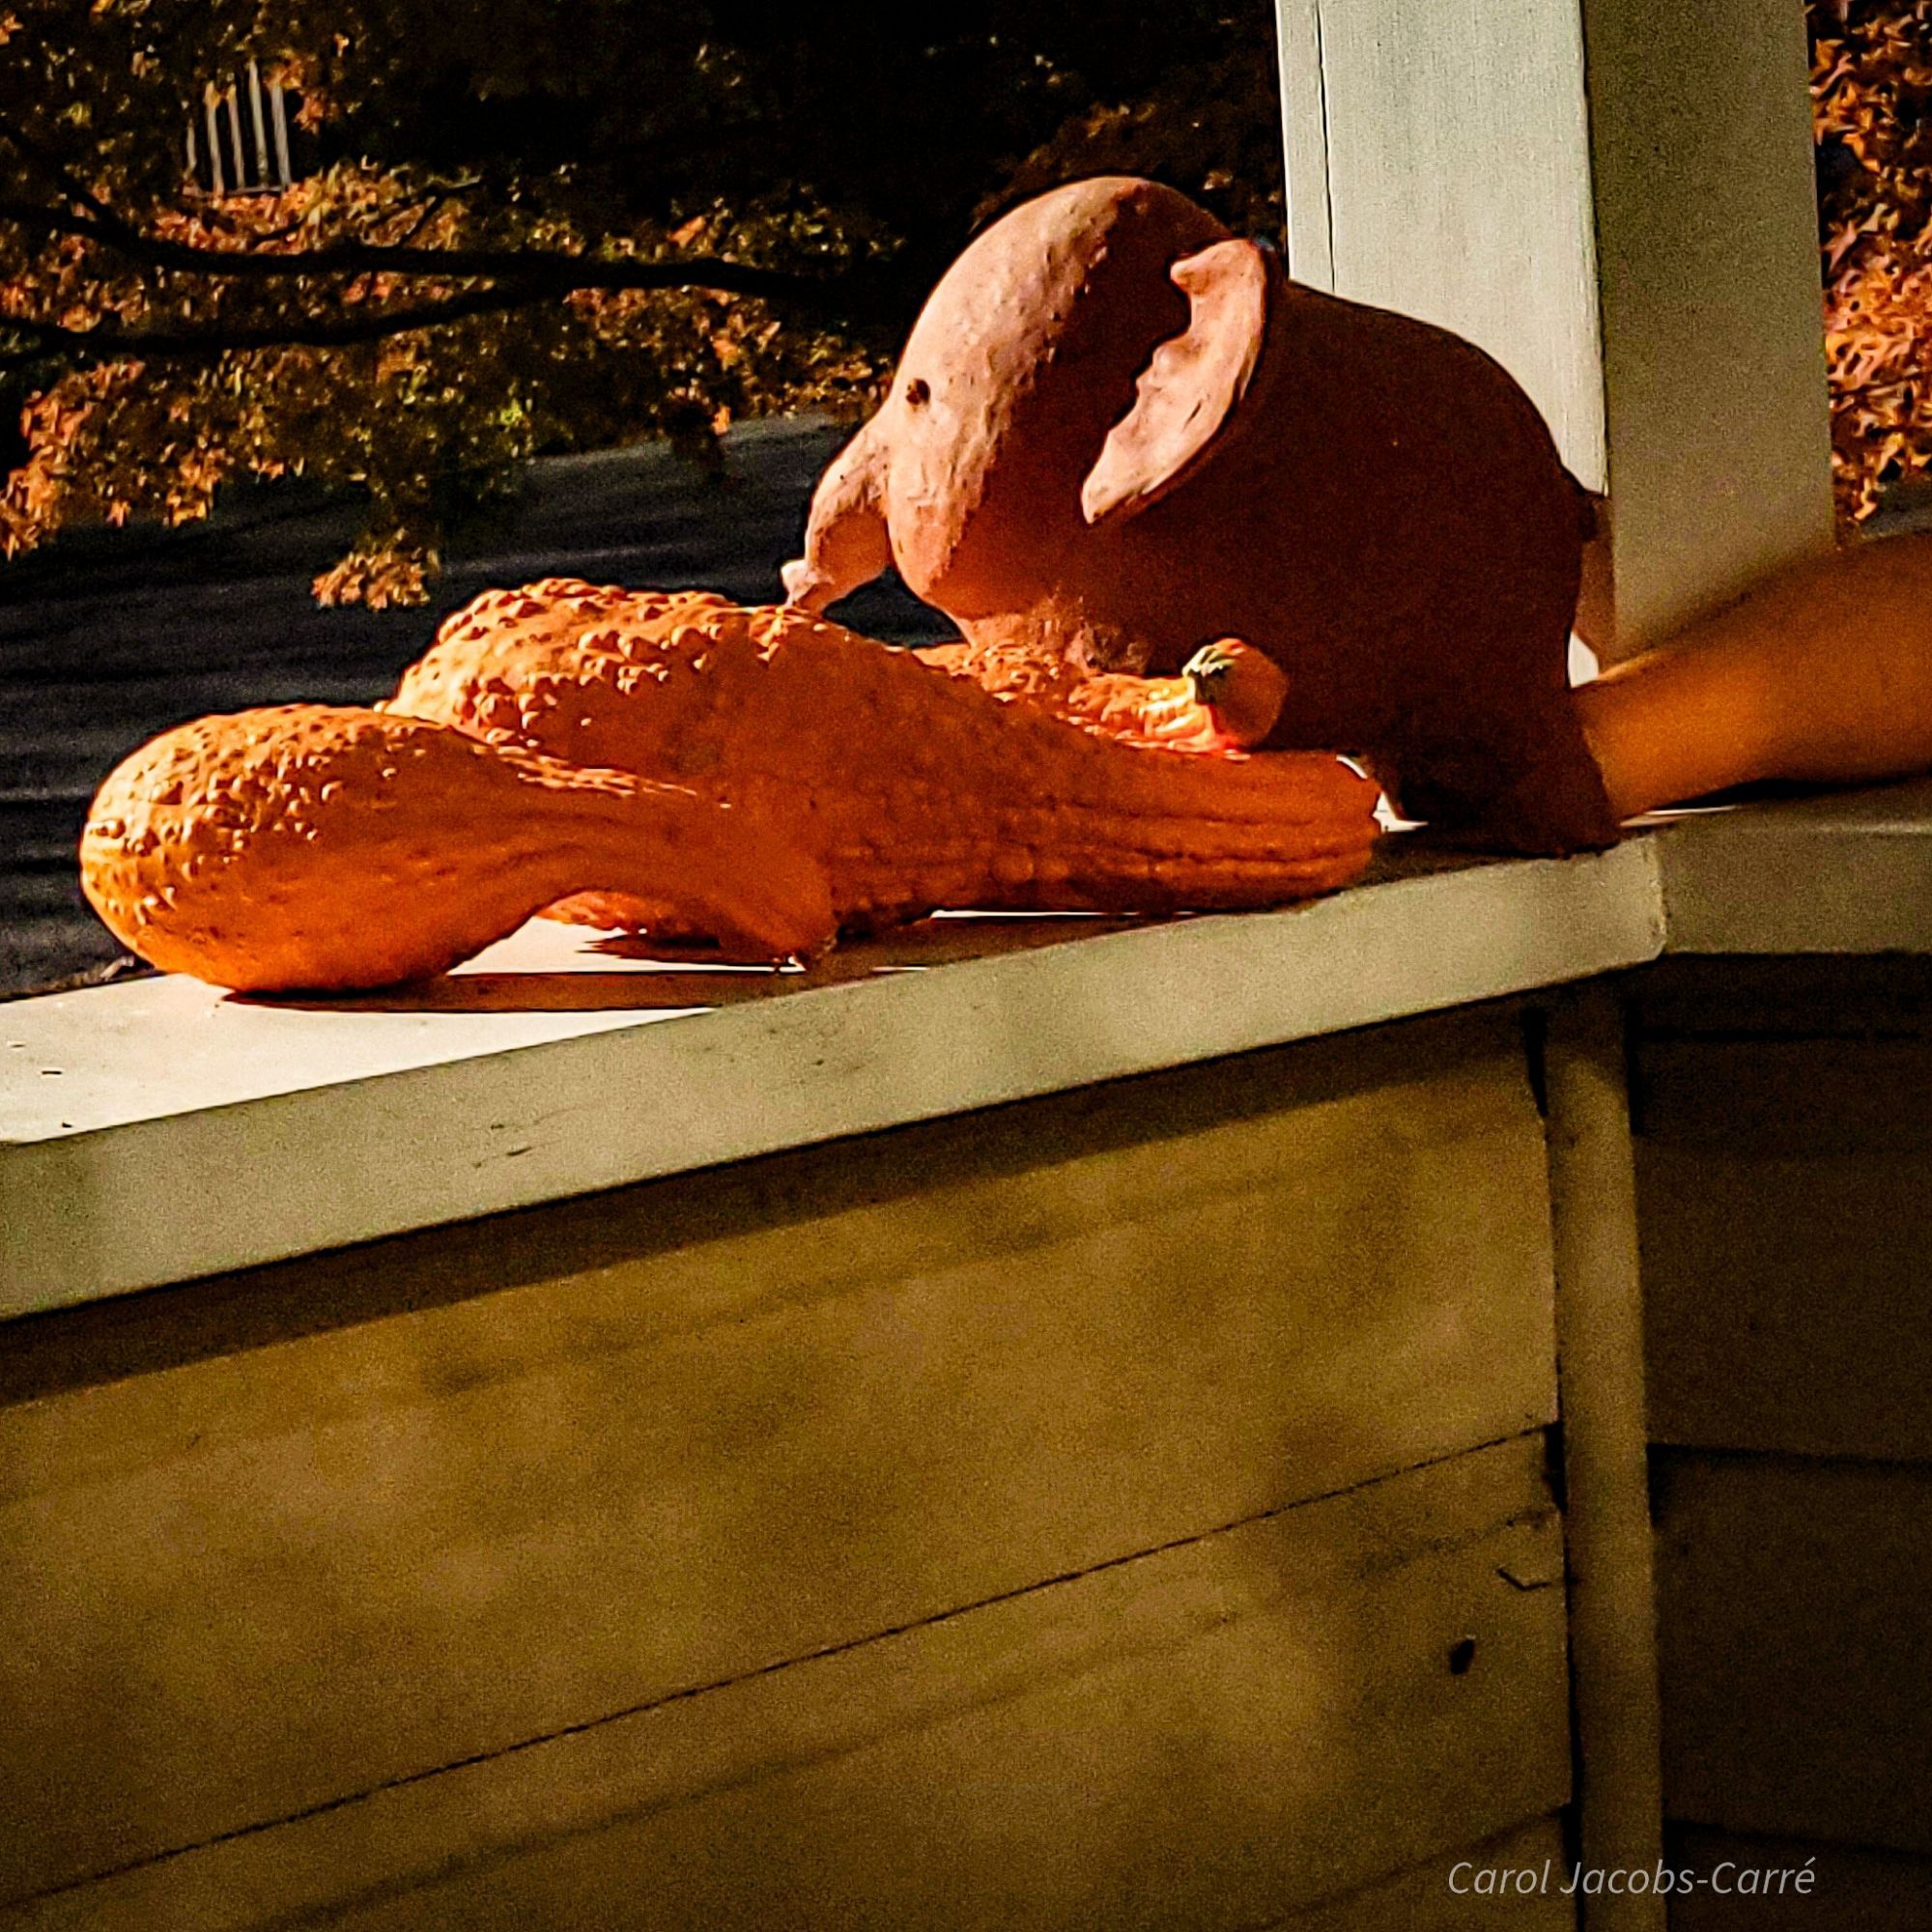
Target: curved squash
x: 1227, y: 696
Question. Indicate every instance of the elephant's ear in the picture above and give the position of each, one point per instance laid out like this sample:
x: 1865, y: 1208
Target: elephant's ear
x: 1191, y: 385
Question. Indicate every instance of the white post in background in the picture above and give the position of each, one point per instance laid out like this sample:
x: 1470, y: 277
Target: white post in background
x: 1613, y: 1662
x: 1304, y: 123
x: 1615, y: 199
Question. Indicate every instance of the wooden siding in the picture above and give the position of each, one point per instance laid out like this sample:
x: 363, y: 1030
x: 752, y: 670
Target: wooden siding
x: 1196, y: 1738
x: 1442, y: 1895
x: 1854, y: 1891
x: 273, y: 1541
x: 1795, y: 1647
x: 1784, y: 1162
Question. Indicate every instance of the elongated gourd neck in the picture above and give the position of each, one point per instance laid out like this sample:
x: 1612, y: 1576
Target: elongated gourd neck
x: 1822, y: 675
x: 1677, y: 723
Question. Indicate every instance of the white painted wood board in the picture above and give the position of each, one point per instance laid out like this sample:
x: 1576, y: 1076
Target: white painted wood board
x: 186, y: 1133
x: 1716, y: 416
x: 1459, y: 187
x: 1838, y: 872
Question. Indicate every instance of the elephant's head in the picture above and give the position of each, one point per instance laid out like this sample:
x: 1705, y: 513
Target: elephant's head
x: 1021, y: 363
x: 1124, y: 430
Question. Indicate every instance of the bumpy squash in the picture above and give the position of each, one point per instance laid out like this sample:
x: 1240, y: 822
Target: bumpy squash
x: 316, y: 846
x: 912, y: 788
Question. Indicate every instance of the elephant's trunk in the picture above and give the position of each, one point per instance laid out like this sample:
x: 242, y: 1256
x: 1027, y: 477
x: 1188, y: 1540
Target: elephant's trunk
x: 846, y: 543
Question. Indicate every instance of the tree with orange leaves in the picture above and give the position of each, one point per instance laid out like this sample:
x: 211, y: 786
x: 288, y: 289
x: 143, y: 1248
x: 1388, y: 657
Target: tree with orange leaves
x: 526, y: 229
x: 1872, y: 87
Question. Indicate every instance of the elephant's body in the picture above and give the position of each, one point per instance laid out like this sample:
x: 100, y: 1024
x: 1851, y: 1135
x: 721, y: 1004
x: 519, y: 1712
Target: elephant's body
x: 1086, y: 457
x: 1413, y: 580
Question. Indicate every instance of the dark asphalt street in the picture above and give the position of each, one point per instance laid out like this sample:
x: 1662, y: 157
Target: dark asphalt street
x: 113, y: 635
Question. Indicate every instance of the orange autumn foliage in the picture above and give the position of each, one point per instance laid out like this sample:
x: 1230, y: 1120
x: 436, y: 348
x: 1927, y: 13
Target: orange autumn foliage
x: 1871, y: 83
x: 494, y: 241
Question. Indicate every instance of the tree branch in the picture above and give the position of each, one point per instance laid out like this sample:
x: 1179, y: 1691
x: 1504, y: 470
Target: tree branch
x: 547, y: 271
x: 121, y: 345
x: 53, y: 170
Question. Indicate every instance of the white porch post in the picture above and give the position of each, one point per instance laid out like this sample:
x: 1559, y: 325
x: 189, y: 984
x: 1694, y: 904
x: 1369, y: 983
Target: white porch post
x: 1613, y: 197
x: 1613, y: 1664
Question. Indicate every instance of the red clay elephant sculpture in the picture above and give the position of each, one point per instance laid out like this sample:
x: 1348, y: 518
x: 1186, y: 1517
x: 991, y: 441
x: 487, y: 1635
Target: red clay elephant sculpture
x: 1119, y: 433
